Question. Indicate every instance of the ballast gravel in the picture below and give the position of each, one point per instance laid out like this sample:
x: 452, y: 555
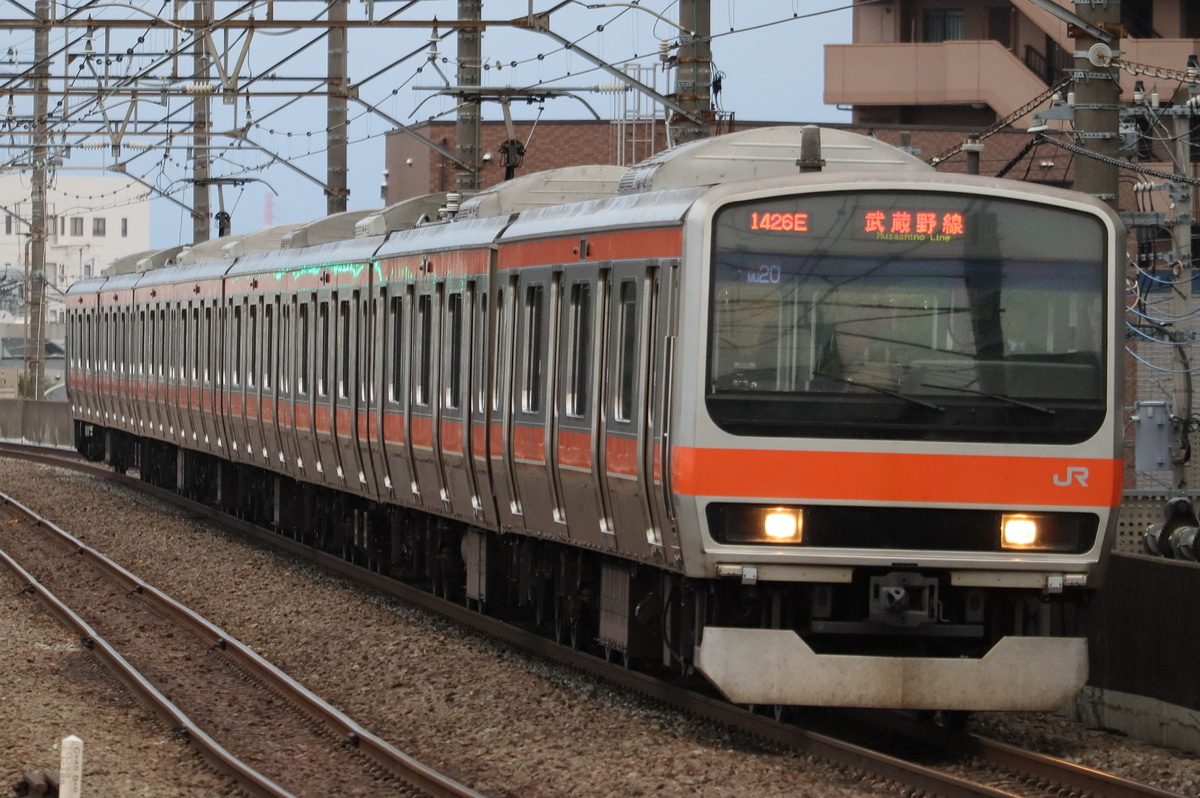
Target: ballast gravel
x: 495, y: 720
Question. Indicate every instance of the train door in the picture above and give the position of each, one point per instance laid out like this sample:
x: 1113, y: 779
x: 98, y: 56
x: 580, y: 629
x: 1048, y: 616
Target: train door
x: 578, y: 410
x: 269, y: 383
x: 505, y: 303
x: 153, y: 344
x: 347, y: 393
x: 425, y: 409
x: 304, y: 400
x: 627, y: 454
x: 480, y: 344
x: 175, y: 384
x: 396, y: 424
x: 188, y: 381
x: 256, y: 343
x: 285, y: 388
x: 534, y: 430
x: 368, y: 395
x: 457, y: 458
x: 212, y: 403
x: 328, y: 467
x: 663, y: 292
x: 381, y: 348
x: 236, y: 345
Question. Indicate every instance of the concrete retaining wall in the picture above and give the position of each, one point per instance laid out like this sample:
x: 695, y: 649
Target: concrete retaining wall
x: 42, y: 423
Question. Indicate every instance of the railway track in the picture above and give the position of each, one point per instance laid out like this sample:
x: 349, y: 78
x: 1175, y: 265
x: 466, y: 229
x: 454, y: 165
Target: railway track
x: 930, y: 761
x: 269, y: 734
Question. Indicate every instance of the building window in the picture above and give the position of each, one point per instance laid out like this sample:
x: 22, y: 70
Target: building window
x: 124, y: 228
x: 99, y: 226
x: 943, y: 25
x: 8, y: 224
x: 76, y: 225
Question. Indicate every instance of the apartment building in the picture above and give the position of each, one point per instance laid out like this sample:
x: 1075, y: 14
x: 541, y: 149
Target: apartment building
x: 91, y: 221
x: 972, y: 62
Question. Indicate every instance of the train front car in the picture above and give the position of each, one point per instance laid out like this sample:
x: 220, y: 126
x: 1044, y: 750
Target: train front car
x: 903, y: 462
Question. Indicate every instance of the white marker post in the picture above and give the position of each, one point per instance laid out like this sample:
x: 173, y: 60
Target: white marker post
x: 70, y: 773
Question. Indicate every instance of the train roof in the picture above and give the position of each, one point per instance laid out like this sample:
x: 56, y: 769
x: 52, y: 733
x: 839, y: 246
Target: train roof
x: 763, y: 152
x: 542, y: 189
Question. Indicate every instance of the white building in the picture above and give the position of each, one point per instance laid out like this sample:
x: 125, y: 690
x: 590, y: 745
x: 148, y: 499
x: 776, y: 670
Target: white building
x: 91, y: 221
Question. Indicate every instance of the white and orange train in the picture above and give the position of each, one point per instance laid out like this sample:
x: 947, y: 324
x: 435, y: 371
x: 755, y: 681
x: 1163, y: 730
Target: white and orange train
x: 846, y: 434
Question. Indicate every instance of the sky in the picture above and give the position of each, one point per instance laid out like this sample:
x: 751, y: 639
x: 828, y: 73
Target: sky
x: 769, y: 51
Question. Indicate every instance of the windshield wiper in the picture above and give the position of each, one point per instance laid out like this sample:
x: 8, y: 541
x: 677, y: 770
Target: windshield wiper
x: 1050, y: 411
x: 885, y: 391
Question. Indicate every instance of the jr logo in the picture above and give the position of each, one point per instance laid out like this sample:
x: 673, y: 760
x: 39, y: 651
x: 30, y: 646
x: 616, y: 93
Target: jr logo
x: 1074, y: 474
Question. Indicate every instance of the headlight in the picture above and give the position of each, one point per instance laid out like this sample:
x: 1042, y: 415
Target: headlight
x: 743, y: 523
x: 1024, y: 532
x: 1019, y: 531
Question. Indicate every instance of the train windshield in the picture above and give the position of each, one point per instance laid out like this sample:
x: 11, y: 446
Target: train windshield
x: 907, y: 315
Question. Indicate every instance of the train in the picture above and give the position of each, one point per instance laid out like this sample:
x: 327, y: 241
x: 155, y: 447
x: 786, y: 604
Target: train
x: 785, y: 408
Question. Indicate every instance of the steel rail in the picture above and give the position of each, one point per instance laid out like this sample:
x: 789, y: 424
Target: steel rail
x: 382, y: 753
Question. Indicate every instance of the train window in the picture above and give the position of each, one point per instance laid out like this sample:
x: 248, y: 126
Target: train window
x: 627, y: 332
x: 236, y: 346
x: 285, y: 352
x: 122, y: 343
x: 454, y: 308
x: 162, y: 341
x: 195, y: 364
x: 425, y: 333
x: 531, y: 390
x: 210, y: 351
x: 907, y: 315
x: 182, y: 320
x: 344, y: 365
x: 502, y: 316
x: 303, y: 352
x: 366, y: 386
x: 579, y: 355
x: 396, y: 386
x: 269, y: 346
x: 480, y: 362
x: 323, y: 373
x: 252, y: 347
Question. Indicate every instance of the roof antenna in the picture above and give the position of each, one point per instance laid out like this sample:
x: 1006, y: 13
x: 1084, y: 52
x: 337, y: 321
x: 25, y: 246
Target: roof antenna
x: 810, y: 150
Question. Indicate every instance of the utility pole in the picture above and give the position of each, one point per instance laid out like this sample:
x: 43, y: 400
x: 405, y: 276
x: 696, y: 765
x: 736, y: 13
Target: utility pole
x: 470, y: 51
x: 337, y: 191
x: 1097, y: 98
x: 693, y: 73
x: 1181, y: 239
x: 35, y: 350
x: 201, y: 124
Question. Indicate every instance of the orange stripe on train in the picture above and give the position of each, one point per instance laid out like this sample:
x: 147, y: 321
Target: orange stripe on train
x: 884, y: 477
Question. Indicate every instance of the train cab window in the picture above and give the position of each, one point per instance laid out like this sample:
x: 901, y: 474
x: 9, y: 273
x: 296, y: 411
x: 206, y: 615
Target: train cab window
x: 579, y: 354
x: 268, y: 346
x: 627, y: 335
x: 252, y: 348
x: 454, y: 310
x: 531, y: 352
x: 323, y: 355
x: 344, y: 350
x: 302, y: 352
x: 425, y: 333
x: 396, y: 351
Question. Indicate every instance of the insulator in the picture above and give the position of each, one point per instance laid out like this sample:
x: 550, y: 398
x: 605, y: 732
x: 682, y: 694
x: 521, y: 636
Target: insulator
x: 199, y: 88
